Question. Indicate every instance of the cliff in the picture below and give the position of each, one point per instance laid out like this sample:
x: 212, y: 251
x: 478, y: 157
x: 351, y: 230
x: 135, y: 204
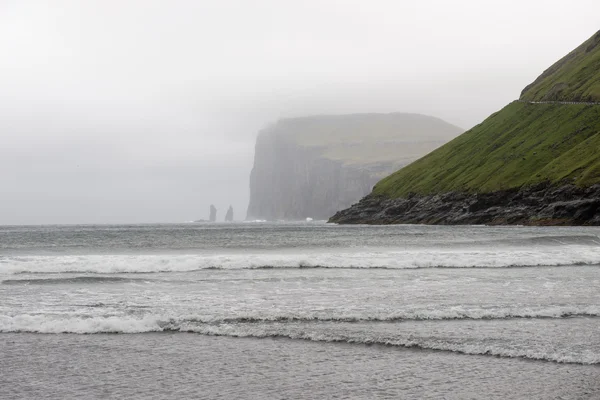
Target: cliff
x: 544, y: 140
x: 310, y: 167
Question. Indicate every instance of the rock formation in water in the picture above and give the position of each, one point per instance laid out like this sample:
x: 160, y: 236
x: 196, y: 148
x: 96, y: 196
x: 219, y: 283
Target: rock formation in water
x: 311, y: 167
x: 213, y: 213
x: 535, y: 162
x: 229, y: 215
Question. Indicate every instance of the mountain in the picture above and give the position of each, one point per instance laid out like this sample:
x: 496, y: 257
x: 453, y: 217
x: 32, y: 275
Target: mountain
x: 310, y: 167
x: 536, y: 161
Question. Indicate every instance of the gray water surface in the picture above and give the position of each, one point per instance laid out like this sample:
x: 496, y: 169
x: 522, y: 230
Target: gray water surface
x: 304, y: 310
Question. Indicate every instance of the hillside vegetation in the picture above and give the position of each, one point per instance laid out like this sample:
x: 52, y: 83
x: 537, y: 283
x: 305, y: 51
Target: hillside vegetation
x: 522, y: 144
x: 575, y: 77
x: 356, y: 139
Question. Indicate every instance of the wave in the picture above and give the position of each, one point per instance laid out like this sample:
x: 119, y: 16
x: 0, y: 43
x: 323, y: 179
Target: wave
x: 82, y: 325
x: 130, y: 325
x: 71, y: 324
x: 452, y: 313
x: 404, y: 342
x: 564, y: 240
x: 539, y: 241
x: 75, y: 279
x: 386, y: 259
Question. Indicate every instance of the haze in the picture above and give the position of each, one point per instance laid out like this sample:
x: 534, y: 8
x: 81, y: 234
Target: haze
x: 147, y: 111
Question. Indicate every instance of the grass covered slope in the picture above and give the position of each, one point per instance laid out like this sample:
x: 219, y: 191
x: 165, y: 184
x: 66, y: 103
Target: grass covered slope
x: 523, y: 144
x: 520, y: 145
x: 362, y: 139
x: 575, y: 77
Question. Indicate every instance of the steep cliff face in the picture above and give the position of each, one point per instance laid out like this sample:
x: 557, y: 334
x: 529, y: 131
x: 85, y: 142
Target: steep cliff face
x: 312, y: 167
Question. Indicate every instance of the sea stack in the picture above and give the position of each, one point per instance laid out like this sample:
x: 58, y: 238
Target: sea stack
x: 213, y: 213
x: 229, y: 215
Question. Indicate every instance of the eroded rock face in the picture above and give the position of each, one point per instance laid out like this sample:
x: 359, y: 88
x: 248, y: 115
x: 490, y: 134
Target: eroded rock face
x: 312, y: 167
x: 540, y: 205
x: 289, y: 182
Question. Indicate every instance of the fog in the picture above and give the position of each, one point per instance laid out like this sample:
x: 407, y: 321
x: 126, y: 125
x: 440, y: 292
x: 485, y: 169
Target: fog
x: 147, y: 111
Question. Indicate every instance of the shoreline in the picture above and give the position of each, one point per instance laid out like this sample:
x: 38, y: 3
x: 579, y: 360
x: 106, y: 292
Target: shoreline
x: 540, y: 205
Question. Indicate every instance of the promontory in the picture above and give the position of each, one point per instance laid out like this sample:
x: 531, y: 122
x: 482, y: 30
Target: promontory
x: 311, y: 167
x: 535, y: 162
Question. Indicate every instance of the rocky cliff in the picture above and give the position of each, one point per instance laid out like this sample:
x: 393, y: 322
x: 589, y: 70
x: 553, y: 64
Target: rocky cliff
x: 311, y: 167
x: 536, y: 161
x: 542, y: 204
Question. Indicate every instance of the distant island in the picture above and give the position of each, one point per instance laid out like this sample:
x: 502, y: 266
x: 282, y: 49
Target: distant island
x: 313, y: 166
x: 535, y: 162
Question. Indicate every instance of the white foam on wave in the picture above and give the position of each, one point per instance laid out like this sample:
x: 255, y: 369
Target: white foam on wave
x: 448, y: 313
x: 413, y: 258
x: 68, y: 323
x: 426, y: 343
x: 40, y: 324
x: 52, y: 324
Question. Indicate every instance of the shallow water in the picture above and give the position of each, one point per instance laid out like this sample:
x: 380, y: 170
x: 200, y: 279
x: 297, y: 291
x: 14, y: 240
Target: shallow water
x: 179, y: 365
x: 299, y: 311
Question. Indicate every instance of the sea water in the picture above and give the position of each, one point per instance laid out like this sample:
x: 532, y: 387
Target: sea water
x: 299, y: 310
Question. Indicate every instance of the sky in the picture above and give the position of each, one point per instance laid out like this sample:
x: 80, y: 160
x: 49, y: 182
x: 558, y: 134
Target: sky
x: 142, y: 111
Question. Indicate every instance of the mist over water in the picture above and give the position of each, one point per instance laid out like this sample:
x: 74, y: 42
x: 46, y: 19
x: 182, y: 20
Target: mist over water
x: 399, y: 297
x: 120, y: 121
x: 156, y: 118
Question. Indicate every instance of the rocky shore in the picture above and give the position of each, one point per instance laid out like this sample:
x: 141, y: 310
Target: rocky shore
x: 543, y: 204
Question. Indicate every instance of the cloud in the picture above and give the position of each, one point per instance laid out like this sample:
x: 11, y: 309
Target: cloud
x: 145, y: 110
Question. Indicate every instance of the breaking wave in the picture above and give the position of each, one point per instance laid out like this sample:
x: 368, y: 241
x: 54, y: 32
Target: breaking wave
x: 74, y: 279
x: 452, y: 313
x: 388, y: 259
x: 424, y: 343
x: 41, y: 323
x: 240, y: 328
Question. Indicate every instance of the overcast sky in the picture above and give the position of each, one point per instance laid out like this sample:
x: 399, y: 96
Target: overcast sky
x: 147, y: 111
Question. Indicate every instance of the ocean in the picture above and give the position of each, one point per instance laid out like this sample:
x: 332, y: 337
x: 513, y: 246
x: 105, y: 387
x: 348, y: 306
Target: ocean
x: 299, y: 311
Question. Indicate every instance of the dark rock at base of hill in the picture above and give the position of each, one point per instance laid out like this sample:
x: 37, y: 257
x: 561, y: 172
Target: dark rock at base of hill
x: 542, y: 204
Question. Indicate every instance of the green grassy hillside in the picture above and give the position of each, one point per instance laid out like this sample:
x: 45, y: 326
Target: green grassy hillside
x: 363, y: 139
x: 524, y: 143
x: 519, y: 145
x: 575, y: 77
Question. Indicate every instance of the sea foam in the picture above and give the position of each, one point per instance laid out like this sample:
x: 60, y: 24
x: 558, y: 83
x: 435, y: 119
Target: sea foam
x: 295, y: 331
x: 68, y: 323
x: 393, y: 259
